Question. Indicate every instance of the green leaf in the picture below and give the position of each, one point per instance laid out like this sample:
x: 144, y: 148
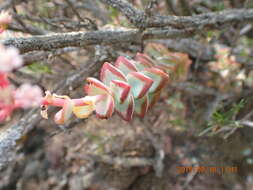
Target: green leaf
x: 104, y: 106
x: 39, y: 67
x: 141, y: 106
x: 139, y: 83
x: 125, y: 109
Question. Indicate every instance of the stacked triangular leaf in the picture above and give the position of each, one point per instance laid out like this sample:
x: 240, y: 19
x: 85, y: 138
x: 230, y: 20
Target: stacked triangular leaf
x: 127, y: 87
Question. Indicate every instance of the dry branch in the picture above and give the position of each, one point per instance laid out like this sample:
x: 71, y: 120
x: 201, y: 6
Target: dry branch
x: 82, y: 39
x: 214, y: 19
x: 195, y: 49
x: 30, y: 57
x: 74, y: 39
x: 183, y: 27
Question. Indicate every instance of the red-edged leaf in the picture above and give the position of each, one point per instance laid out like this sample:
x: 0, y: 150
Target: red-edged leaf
x: 65, y: 113
x: 109, y: 73
x: 139, y: 83
x: 158, y: 76
x: 125, y: 109
x: 104, y: 106
x: 143, y: 61
x: 153, y: 98
x: 145, y: 58
x: 125, y: 65
x: 141, y: 106
x: 95, y: 87
x: 120, y: 90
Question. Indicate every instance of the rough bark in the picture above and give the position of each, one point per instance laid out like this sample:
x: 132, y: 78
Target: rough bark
x: 183, y: 27
x: 214, y: 19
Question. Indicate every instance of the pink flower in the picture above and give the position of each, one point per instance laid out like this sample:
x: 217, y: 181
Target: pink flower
x: 4, y: 82
x: 28, y: 96
x: 5, y: 20
x: 9, y: 59
x: 6, y: 102
x: 5, y: 112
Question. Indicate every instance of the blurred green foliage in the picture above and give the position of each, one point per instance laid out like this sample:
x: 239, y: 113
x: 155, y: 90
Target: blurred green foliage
x: 38, y: 67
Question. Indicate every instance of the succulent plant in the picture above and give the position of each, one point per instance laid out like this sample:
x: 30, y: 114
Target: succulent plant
x: 127, y: 87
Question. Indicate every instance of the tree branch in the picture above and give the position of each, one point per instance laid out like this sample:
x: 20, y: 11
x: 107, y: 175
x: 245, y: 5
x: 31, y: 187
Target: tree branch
x: 212, y: 20
x: 81, y: 39
x: 190, y: 25
x: 74, y: 39
x: 195, y: 49
x: 42, y: 55
x: 135, y: 16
